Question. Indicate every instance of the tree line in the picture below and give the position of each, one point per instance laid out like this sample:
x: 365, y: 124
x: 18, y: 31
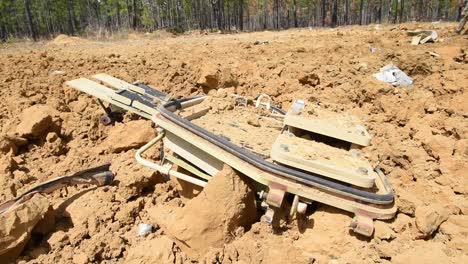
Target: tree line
x: 47, y: 18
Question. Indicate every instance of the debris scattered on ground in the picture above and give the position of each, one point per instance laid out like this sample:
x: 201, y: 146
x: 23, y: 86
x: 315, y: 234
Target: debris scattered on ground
x: 144, y: 229
x: 57, y: 72
x: 98, y: 176
x: 258, y: 42
x: 391, y: 74
x: 433, y: 54
x: 422, y: 36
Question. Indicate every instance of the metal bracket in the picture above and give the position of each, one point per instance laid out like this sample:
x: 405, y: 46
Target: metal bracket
x: 362, y: 225
x: 275, y: 195
x: 269, y: 214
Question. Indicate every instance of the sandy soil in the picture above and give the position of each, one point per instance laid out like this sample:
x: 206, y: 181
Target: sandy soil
x: 419, y: 140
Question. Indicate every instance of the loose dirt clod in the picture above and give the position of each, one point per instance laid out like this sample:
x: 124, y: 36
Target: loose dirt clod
x: 211, y: 219
x: 17, y: 224
x: 429, y: 218
x: 157, y: 250
x: 130, y: 135
x: 35, y: 121
x: 209, y: 77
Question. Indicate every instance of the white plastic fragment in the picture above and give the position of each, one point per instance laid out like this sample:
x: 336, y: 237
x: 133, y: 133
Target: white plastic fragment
x: 144, y: 229
x: 57, y: 72
x: 391, y: 74
x: 297, y: 106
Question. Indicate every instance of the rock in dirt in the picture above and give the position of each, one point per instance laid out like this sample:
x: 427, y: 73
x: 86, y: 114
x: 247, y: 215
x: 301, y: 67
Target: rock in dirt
x: 17, y: 224
x: 7, y: 145
x: 429, y: 218
x: 382, y: 231
x: 253, y: 122
x: 209, y: 77
x: 35, y: 121
x: 311, y: 79
x: 407, y: 202
x: 210, y: 219
x: 133, y: 134
x: 156, y: 250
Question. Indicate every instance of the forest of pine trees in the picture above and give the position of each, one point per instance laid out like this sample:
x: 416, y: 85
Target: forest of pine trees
x: 47, y: 18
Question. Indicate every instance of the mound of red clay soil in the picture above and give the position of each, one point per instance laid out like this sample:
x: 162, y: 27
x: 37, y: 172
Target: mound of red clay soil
x: 224, y: 208
x: 63, y: 40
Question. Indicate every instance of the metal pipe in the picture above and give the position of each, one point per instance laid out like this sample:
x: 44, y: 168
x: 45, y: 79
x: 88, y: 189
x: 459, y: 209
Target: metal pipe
x: 160, y: 168
x: 188, y: 103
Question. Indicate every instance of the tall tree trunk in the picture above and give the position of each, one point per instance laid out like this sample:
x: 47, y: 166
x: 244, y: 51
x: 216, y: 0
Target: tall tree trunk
x: 128, y: 14
x: 379, y: 12
x: 241, y: 15
x: 50, y: 27
x: 202, y: 14
x: 97, y: 9
x: 395, y: 11
x: 295, y: 14
x: 134, y: 15
x: 361, y: 10
x: 119, y: 22
x: 71, y: 17
x: 324, y: 12
x: 3, y: 33
x: 220, y: 14
x: 402, y: 5
x: 32, y: 29
x: 346, y: 12
x: 152, y: 12
x: 264, y: 14
x: 335, y: 14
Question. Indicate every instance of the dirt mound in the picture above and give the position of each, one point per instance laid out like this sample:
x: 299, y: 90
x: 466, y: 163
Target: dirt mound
x: 224, y: 209
x: 261, y: 245
x: 64, y: 40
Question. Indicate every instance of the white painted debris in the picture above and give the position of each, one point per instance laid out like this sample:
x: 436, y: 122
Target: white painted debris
x: 391, y: 74
x: 57, y: 73
x: 423, y: 36
x: 297, y: 106
x: 144, y: 229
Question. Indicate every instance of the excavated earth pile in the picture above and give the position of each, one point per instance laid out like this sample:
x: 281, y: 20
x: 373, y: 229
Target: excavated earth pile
x: 420, y: 140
